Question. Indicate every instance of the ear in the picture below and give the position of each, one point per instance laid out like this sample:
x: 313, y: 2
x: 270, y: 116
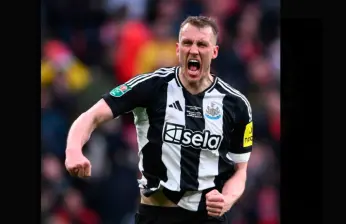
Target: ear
x: 177, y: 49
x: 215, y: 51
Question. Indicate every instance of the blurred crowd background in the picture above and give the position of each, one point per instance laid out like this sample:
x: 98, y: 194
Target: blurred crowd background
x: 90, y: 46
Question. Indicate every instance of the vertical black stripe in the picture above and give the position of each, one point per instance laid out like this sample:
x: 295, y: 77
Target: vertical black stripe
x: 202, y: 203
x: 190, y: 156
x: 226, y: 168
x: 154, y: 169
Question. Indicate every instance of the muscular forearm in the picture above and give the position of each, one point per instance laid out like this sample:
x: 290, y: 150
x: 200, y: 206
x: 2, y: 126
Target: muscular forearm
x: 85, y: 124
x: 80, y: 131
x: 234, y: 187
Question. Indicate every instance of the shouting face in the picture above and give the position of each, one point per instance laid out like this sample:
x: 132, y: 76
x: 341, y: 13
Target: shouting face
x: 195, y: 50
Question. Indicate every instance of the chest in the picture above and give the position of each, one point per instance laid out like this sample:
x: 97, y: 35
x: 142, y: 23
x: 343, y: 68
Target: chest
x: 197, y: 120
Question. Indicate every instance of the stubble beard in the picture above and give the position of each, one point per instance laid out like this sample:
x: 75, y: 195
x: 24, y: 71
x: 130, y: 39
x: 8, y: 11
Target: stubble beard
x: 204, y: 80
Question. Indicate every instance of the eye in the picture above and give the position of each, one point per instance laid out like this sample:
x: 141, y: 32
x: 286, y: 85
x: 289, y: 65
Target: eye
x: 202, y: 44
x: 187, y: 43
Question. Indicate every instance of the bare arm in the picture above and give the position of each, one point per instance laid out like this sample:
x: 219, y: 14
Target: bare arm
x: 239, y: 153
x: 235, y: 186
x: 86, y: 123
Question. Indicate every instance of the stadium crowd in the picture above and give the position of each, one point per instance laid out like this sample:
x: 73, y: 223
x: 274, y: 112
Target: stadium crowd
x: 89, y: 46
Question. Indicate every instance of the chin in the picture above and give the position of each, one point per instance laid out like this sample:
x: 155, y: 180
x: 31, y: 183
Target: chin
x: 193, y: 76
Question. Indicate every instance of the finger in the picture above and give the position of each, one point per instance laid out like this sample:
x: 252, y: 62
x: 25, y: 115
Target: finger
x: 215, y: 204
x: 88, y: 171
x: 215, y: 198
x: 213, y: 192
x: 74, y: 171
x: 81, y: 173
x: 69, y: 168
x: 213, y: 214
x: 213, y: 210
x: 71, y: 172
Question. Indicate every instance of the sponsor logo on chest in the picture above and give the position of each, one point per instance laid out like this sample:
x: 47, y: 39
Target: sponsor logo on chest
x: 178, y: 134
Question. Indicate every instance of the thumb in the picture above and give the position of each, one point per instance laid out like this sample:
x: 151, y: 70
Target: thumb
x: 88, y: 170
x: 213, y: 192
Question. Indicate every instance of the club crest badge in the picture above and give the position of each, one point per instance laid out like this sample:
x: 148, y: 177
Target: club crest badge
x: 213, y: 111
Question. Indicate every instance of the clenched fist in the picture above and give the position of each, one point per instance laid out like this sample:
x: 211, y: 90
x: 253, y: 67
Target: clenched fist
x: 77, y: 164
x: 216, y: 204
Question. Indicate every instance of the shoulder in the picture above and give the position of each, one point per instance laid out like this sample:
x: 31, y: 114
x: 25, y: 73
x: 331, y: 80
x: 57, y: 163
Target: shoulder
x: 144, y: 85
x: 158, y: 76
x: 234, y: 97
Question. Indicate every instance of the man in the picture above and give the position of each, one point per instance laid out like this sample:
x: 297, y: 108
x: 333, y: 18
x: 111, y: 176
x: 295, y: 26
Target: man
x: 194, y: 133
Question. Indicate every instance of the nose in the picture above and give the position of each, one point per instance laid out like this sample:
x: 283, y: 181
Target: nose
x: 194, y: 49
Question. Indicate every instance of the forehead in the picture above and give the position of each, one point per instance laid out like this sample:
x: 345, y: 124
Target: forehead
x: 194, y: 33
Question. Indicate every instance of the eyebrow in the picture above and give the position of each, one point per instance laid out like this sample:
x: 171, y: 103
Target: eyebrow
x: 186, y: 40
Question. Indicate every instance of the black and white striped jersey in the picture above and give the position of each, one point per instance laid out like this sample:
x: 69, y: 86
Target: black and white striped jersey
x: 188, y: 144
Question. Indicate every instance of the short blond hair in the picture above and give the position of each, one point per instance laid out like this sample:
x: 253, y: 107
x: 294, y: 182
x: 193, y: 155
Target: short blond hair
x: 201, y: 22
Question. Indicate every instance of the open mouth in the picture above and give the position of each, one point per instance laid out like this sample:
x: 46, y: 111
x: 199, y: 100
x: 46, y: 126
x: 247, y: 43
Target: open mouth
x: 193, y: 65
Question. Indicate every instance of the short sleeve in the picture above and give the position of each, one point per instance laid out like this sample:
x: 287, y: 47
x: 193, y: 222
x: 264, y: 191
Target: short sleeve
x: 137, y: 92
x: 242, y: 134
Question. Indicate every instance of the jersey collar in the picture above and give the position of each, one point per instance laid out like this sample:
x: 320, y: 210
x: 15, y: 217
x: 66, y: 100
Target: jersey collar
x: 208, y: 90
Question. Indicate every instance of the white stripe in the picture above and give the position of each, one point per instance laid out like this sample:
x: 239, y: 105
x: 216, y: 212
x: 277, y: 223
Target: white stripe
x: 235, y: 92
x: 190, y: 200
x: 134, y: 79
x: 209, y: 159
x: 238, y: 158
x: 141, y: 122
x: 166, y: 69
x: 212, y: 87
x: 149, y: 77
x: 177, y: 76
x: 132, y: 82
x: 171, y: 153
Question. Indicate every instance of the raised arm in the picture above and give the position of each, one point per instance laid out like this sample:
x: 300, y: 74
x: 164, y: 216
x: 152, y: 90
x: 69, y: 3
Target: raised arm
x: 86, y: 123
x: 81, y: 129
x: 124, y: 98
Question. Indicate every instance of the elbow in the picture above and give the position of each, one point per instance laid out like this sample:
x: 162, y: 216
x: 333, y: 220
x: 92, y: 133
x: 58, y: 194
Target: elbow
x: 98, y: 114
x: 89, y: 118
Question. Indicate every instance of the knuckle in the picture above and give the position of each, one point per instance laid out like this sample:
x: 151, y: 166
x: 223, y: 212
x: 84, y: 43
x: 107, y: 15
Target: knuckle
x: 70, y: 168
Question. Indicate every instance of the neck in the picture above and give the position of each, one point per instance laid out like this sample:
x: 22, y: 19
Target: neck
x: 198, y: 86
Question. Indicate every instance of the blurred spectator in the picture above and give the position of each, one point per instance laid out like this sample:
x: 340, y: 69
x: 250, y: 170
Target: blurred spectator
x: 272, y: 97
x: 246, y: 39
x: 53, y: 174
x: 53, y: 184
x: 133, y: 35
x: 260, y: 71
x: 136, y: 8
x: 58, y: 59
x: 168, y: 10
x: 74, y: 210
x: 158, y: 52
x: 274, y: 52
x: 268, y: 206
x: 90, y: 46
x: 54, y: 125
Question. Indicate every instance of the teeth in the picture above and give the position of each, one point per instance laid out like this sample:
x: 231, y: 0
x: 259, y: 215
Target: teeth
x: 192, y: 60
